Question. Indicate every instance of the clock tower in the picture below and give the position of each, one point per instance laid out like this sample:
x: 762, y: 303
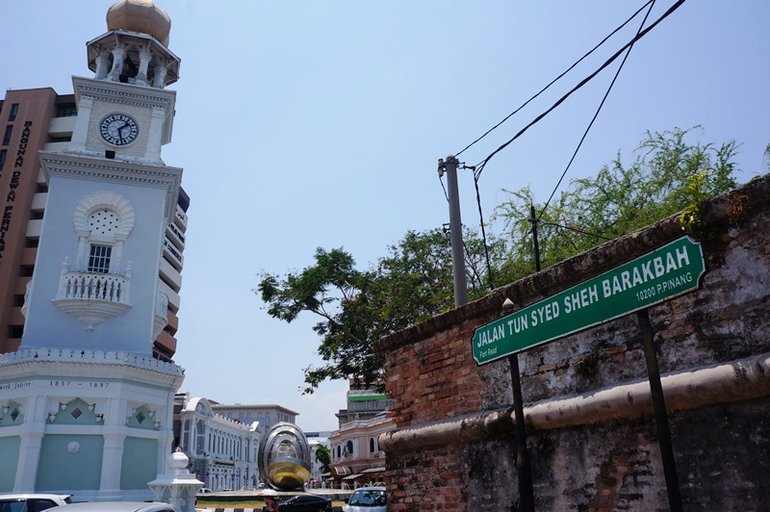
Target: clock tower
x: 87, y: 408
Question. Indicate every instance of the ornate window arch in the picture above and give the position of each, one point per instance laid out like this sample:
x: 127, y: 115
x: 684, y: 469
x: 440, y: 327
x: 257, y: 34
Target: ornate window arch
x: 103, y: 221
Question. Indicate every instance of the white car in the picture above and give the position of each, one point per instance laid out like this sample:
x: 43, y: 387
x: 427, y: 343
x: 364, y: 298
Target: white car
x: 31, y: 502
x: 118, y: 506
x: 367, y: 499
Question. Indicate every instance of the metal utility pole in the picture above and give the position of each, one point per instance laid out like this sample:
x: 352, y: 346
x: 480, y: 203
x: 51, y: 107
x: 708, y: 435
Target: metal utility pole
x: 455, y: 229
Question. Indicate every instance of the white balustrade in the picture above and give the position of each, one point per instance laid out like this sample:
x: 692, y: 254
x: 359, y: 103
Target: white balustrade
x: 98, y: 356
x: 94, y: 286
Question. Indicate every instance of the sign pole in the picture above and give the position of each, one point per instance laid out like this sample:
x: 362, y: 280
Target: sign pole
x: 661, y: 419
x: 523, y: 468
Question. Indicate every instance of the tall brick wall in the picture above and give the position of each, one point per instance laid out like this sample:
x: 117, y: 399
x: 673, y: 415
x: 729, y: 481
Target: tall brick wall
x: 591, y: 435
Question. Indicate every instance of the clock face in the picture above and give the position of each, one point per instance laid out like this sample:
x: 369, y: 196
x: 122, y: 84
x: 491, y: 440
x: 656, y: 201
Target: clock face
x: 119, y: 129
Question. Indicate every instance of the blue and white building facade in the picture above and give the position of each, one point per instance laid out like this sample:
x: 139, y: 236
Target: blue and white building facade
x: 84, y: 407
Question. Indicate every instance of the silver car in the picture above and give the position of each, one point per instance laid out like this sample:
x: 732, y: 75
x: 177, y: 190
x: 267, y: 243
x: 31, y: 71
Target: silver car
x: 117, y: 506
x: 367, y: 499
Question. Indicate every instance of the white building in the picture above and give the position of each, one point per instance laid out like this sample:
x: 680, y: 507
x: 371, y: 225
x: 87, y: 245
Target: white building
x: 317, y: 472
x: 222, y: 451
x: 266, y: 415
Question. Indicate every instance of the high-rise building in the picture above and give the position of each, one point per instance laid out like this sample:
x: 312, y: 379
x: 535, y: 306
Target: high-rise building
x: 91, y: 242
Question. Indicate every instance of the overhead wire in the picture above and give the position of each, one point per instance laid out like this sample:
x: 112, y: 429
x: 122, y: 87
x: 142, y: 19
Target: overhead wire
x: 480, y: 166
x: 572, y: 66
x: 596, y: 114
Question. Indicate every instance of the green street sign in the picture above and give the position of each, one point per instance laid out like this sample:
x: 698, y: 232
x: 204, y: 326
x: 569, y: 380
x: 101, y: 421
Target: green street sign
x: 655, y: 277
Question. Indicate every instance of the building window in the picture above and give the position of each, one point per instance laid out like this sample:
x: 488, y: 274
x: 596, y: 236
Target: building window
x: 7, y: 136
x: 99, y: 259
x: 371, y: 445
x: 3, y: 155
x: 14, y: 111
x: 66, y: 110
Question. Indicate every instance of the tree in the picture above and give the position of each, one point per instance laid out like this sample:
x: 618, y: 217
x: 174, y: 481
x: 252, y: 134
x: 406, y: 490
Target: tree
x: 323, y: 456
x: 413, y: 282
x: 335, y: 291
x: 619, y: 199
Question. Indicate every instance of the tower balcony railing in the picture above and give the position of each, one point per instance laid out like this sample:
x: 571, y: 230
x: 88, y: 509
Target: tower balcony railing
x: 93, y: 297
x: 94, y: 286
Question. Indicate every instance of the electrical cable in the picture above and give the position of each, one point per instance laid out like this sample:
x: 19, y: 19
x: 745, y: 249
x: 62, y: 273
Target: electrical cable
x: 576, y: 230
x: 490, y: 276
x: 596, y: 114
x: 583, y: 82
x: 446, y: 194
x: 556, y: 79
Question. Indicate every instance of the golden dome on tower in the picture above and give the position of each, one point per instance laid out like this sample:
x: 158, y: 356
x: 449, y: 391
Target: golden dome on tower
x: 140, y: 16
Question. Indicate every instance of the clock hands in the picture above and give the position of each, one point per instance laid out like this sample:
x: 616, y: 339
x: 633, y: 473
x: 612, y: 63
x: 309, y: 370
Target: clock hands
x: 120, y: 130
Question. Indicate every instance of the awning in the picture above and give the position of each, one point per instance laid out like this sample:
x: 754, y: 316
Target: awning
x: 351, y: 477
x: 340, y: 470
x: 374, y: 470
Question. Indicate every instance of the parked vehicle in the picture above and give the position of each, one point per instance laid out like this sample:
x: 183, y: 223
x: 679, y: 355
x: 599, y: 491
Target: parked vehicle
x: 367, y: 499
x: 205, y: 490
x: 118, y: 506
x: 306, y: 503
x: 32, y: 502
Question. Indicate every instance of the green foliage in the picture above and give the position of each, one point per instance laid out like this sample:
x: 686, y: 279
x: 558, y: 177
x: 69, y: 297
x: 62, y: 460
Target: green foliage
x: 324, y: 456
x: 413, y: 281
x: 668, y: 175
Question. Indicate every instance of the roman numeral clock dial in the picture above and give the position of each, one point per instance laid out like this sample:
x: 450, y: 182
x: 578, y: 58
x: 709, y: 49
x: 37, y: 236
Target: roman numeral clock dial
x: 119, y: 129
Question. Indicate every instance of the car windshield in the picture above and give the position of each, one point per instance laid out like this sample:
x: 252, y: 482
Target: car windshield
x: 368, y: 498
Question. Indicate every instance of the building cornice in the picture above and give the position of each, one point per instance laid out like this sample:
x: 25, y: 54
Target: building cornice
x: 125, y: 94
x: 117, y: 171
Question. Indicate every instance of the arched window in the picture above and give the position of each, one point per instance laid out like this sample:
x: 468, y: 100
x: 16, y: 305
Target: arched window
x: 371, y: 445
x: 103, y: 221
x: 339, y: 451
x: 349, y: 447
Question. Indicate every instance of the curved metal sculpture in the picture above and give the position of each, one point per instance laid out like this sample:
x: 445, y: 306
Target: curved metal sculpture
x: 284, y: 457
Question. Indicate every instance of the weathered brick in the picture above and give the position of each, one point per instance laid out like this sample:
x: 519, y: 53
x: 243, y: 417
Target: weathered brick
x: 722, y: 451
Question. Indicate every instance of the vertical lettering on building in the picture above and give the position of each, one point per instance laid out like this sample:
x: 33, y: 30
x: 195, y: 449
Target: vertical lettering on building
x: 10, y: 197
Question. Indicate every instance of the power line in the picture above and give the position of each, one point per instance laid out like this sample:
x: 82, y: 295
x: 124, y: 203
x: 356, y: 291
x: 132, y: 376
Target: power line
x: 480, y: 166
x: 556, y: 79
x: 596, y: 114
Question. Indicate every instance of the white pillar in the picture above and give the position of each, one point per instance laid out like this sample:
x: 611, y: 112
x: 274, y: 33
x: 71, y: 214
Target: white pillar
x: 112, y: 460
x: 29, y: 459
x: 144, y: 62
x: 101, y: 65
x: 80, y: 131
x: 156, y: 133
x: 161, y: 70
x: 118, y: 54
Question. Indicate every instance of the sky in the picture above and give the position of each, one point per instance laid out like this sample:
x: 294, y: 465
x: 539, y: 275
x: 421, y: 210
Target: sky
x: 319, y: 124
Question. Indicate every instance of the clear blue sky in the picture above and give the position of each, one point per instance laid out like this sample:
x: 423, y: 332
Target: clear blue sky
x: 319, y: 124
